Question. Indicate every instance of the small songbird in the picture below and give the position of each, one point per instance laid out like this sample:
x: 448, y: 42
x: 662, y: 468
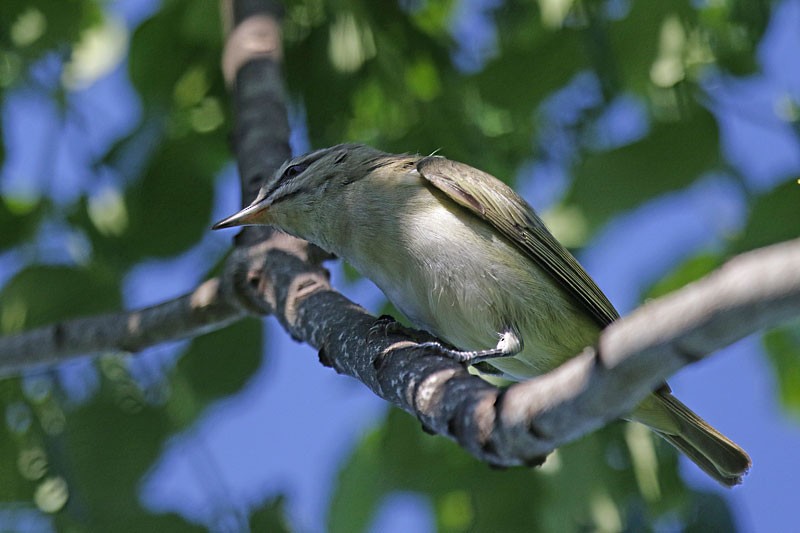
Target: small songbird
x: 467, y: 259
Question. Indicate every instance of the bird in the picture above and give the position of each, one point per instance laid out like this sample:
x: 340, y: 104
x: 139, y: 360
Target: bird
x: 467, y: 259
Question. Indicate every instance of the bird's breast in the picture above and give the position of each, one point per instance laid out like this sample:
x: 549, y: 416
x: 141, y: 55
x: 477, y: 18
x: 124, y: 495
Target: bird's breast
x: 453, y: 274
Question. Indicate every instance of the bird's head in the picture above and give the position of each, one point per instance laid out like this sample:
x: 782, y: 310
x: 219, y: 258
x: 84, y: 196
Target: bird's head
x: 307, y: 186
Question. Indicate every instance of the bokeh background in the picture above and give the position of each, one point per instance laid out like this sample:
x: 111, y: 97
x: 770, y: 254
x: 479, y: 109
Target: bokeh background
x: 656, y: 138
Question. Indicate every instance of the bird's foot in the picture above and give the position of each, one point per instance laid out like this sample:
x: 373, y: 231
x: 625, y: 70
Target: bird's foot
x: 467, y: 357
x: 386, y: 325
x: 509, y: 345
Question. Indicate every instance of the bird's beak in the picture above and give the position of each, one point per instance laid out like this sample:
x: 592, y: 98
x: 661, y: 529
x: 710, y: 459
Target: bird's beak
x: 246, y: 217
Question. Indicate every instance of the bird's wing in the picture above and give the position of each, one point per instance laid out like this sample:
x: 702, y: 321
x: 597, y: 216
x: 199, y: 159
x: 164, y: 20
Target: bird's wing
x: 496, y: 203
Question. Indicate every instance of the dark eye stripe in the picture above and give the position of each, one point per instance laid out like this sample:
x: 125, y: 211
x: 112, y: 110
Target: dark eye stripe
x: 291, y: 172
x: 294, y: 170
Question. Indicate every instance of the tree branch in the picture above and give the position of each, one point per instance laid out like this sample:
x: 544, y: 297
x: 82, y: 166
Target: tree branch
x: 271, y: 272
x: 205, y: 308
x: 252, y: 54
x: 521, y: 424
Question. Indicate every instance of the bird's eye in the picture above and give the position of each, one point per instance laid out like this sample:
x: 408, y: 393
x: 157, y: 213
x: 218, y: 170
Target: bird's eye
x: 294, y: 170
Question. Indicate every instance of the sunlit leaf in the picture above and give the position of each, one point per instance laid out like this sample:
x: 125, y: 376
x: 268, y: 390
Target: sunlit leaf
x: 636, y: 39
x: 33, y: 28
x: 185, y: 34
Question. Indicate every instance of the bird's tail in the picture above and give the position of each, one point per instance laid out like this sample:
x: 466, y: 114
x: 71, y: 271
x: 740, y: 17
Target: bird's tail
x: 709, y: 449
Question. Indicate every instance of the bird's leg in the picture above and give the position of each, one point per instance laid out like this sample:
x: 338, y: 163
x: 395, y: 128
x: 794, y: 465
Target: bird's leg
x: 509, y: 345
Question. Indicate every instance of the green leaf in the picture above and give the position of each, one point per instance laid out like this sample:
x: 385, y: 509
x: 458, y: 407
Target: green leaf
x: 216, y: 364
x: 201, y: 23
x: 270, y: 517
x: 103, y: 450
x: 170, y: 207
x: 636, y: 39
x: 783, y: 347
x: 18, y: 220
x: 774, y: 217
x: 669, y: 158
x: 41, y: 295
x: 709, y: 512
x: 34, y: 28
x: 593, y: 473
x: 690, y: 270
x: 165, y: 212
x: 106, y: 448
x: 18, y: 418
x: 734, y: 30
x: 555, y: 57
x: 184, y: 34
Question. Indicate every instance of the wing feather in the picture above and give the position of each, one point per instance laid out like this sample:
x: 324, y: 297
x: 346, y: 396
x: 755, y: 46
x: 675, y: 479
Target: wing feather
x: 495, y: 202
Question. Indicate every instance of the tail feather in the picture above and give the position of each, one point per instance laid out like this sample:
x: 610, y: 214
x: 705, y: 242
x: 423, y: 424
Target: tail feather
x: 709, y: 449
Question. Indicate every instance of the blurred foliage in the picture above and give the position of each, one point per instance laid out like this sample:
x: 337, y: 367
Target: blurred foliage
x: 82, y: 463
x: 691, y: 270
x: 42, y: 294
x: 783, y: 347
x: 19, y: 219
x: 270, y: 517
x: 590, y: 485
x: 774, y: 217
x: 389, y: 74
x: 629, y: 175
x: 29, y: 30
x: 100, y: 450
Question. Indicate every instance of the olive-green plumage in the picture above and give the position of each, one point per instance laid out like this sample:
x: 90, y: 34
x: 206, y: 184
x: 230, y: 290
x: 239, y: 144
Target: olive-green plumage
x: 466, y: 258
